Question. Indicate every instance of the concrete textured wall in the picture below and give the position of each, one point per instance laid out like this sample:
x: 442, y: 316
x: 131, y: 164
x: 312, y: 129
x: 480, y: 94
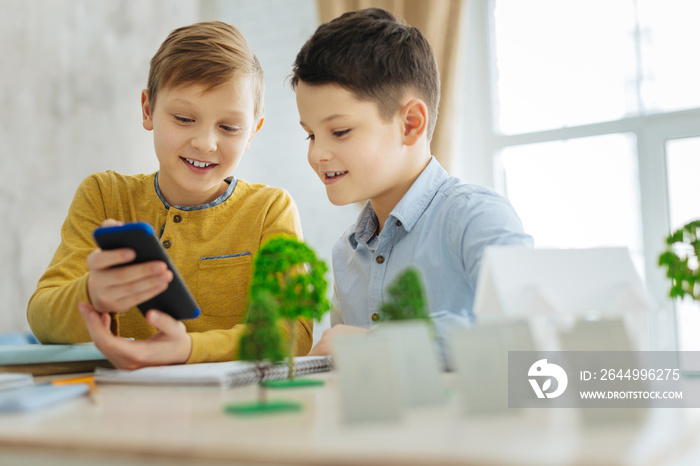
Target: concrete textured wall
x: 72, y: 73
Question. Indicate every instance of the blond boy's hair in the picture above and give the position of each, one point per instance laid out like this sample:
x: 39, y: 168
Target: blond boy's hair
x: 209, y: 53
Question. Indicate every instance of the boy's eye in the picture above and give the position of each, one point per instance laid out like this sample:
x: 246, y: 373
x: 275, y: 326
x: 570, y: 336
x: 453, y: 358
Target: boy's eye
x: 230, y: 129
x: 341, y: 133
x: 182, y: 119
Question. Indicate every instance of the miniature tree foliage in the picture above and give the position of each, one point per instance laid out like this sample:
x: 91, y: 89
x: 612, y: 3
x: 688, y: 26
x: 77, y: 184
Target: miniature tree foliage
x: 681, y: 261
x: 406, y: 300
x: 290, y: 271
x: 262, y: 340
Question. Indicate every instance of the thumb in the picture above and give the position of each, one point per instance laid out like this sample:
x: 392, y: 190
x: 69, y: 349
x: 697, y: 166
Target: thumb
x: 164, y: 322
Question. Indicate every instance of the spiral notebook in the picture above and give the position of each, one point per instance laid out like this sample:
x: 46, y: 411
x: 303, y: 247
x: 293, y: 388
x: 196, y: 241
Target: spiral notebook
x: 224, y: 374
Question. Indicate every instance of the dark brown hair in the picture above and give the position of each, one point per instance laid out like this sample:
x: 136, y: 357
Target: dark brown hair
x: 375, y: 56
x: 209, y: 53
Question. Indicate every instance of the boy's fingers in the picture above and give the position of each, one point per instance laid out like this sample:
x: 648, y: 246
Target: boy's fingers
x: 100, y: 259
x: 97, y: 324
x: 320, y: 349
x: 170, y: 345
x: 124, y: 297
x: 121, y: 289
x: 110, y: 222
x: 115, y: 349
x: 137, y: 272
x: 164, y: 322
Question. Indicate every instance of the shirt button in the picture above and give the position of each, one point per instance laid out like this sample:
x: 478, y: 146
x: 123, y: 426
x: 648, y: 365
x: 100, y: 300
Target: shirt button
x: 166, y: 244
x: 398, y: 223
x: 380, y: 259
x: 177, y: 219
x: 375, y: 317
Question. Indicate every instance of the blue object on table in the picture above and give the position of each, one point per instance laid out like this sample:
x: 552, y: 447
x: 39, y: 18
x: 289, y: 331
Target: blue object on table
x: 38, y: 396
x: 14, y: 355
x: 17, y: 338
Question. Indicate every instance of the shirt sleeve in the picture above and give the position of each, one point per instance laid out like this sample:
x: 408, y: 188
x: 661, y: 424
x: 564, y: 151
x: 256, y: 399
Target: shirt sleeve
x: 489, y: 220
x: 52, y: 311
x: 282, y: 217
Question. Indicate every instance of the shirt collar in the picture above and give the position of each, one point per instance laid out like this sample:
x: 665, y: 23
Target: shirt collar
x: 231, y: 180
x: 420, y: 194
x: 366, y: 226
x: 408, y: 210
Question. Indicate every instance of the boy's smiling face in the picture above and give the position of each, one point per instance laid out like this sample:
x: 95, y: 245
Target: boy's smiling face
x: 357, y: 154
x: 200, y: 137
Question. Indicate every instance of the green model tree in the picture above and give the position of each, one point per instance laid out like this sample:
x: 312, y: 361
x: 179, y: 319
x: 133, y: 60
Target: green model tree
x: 290, y: 271
x: 406, y: 300
x: 262, y: 340
x: 263, y: 343
x: 681, y: 261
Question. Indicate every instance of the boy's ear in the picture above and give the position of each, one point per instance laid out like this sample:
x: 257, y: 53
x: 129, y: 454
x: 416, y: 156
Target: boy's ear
x: 146, y: 111
x: 414, y: 117
x: 257, y: 128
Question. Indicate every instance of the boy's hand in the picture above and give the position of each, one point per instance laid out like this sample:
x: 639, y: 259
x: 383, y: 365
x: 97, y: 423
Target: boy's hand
x: 119, y: 289
x: 325, y: 344
x: 171, y: 345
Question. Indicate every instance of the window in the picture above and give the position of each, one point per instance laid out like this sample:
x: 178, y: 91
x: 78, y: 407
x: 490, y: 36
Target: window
x: 559, y: 64
x: 581, y: 192
x: 595, y: 125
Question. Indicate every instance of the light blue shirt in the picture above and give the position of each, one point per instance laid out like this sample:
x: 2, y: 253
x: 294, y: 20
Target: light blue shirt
x: 441, y: 227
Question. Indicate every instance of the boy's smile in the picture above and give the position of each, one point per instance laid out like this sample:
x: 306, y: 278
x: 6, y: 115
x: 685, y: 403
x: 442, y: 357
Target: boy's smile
x: 332, y: 177
x: 200, y: 136
x: 198, y: 165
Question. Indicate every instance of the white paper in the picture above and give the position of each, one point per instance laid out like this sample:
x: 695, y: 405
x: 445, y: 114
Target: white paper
x: 367, y: 384
x: 14, y: 379
x: 415, y: 360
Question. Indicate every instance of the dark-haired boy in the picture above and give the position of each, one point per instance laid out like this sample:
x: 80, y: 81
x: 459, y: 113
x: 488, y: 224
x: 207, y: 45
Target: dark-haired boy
x: 367, y: 89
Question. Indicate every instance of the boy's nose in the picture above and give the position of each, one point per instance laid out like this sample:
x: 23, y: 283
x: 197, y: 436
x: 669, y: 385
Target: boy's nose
x: 317, y: 153
x: 204, y: 140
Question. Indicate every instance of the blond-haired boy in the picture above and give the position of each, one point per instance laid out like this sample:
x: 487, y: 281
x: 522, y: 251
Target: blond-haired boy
x: 204, y: 105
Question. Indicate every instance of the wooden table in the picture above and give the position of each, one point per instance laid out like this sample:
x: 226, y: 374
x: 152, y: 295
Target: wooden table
x: 187, y: 425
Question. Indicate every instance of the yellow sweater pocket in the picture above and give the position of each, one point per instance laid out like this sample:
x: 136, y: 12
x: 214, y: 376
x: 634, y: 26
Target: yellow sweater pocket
x: 222, y: 286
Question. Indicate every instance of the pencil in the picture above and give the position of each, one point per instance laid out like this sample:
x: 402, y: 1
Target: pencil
x: 88, y: 380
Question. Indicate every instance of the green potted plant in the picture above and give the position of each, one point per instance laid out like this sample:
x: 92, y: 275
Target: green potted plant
x: 680, y: 258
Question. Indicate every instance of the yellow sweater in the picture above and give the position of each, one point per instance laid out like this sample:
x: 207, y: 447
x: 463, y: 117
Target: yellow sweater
x: 237, y: 226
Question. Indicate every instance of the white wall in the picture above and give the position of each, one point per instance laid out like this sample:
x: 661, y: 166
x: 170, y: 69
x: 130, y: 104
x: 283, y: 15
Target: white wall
x: 72, y: 73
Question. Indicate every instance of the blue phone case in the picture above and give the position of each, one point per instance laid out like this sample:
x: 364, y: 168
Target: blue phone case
x: 176, y: 300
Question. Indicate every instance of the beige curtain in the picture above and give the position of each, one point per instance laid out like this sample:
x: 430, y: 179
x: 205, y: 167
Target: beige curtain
x: 440, y: 21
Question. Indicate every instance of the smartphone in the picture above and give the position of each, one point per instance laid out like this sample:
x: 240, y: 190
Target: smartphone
x: 176, y: 300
